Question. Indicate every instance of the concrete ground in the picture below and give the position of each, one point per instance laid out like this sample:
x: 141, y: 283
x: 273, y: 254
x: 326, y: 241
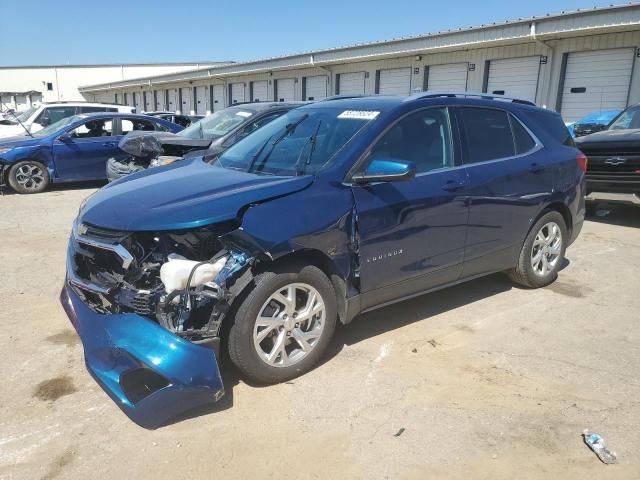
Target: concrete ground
x: 483, y: 380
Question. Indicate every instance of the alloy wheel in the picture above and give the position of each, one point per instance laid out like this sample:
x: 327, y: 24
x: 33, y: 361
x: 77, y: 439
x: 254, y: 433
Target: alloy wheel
x: 30, y: 176
x: 289, y: 325
x: 546, y: 249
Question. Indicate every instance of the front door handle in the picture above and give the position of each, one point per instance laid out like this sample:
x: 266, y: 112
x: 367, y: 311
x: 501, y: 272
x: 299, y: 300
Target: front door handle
x: 452, y: 186
x: 109, y: 144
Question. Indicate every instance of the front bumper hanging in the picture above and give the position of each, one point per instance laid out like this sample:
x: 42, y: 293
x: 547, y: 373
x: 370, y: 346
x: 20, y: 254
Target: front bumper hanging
x: 151, y: 374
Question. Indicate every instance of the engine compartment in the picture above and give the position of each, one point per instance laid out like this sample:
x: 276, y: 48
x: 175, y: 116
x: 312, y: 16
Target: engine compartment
x: 127, y: 268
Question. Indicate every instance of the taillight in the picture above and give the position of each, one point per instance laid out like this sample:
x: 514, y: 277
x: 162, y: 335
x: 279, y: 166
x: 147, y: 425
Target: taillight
x: 582, y: 161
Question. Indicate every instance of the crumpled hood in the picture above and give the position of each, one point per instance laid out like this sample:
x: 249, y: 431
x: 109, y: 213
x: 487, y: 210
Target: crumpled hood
x: 609, y: 138
x: 185, y: 194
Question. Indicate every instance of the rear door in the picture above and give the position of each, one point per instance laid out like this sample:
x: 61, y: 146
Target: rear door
x: 509, y: 175
x: 85, y: 154
x: 412, y: 233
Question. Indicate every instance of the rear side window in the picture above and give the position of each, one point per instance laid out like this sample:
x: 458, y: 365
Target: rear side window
x: 488, y: 134
x: 521, y: 137
x: 92, y: 109
x: 554, y: 126
x: 137, y: 124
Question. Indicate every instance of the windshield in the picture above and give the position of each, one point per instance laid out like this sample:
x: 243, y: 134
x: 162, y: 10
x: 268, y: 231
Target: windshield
x: 54, y: 127
x: 301, y: 141
x: 24, y: 116
x: 218, y: 124
x: 630, y: 118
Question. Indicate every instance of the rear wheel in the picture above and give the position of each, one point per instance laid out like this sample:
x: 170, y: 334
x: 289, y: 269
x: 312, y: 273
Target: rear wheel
x: 284, y: 325
x: 542, y: 253
x: 28, y: 176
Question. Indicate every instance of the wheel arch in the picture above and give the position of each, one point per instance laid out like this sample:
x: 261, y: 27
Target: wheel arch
x: 322, y: 261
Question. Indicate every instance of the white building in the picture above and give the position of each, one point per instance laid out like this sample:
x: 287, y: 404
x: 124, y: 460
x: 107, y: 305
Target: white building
x: 574, y: 62
x: 24, y: 86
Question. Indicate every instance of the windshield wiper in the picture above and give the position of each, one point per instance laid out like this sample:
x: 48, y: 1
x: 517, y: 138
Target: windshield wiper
x: 311, y: 142
x: 257, y: 154
x: 289, y: 129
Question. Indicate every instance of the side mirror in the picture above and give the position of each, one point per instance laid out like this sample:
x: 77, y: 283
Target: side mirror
x: 65, y: 138
x: 386, y: 170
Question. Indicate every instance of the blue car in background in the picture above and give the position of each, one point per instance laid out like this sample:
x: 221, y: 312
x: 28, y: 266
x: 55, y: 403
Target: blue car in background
x: 73, y: 149
x: 593, y: 122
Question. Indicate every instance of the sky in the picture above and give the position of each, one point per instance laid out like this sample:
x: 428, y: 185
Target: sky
x: 39, y: 32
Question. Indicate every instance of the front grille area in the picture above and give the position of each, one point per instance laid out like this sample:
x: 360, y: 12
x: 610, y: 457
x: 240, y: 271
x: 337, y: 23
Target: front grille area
x: 614, y: 163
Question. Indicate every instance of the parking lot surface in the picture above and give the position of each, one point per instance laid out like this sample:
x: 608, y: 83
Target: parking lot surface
x: 483, y: 380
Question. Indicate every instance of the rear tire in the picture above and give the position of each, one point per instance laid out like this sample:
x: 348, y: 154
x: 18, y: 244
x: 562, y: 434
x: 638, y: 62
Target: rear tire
x: 542, y: 253
x: 28, y: 176
x: 284, y: 324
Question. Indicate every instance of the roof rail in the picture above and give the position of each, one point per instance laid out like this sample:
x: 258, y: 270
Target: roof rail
x: 484, y: 96
x: 343, y: 97
x: 85, y: 101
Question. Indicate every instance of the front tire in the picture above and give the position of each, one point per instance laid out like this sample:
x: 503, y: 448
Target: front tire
x: 542, y: 253
x: 28, y: 176
x: 284, y: 324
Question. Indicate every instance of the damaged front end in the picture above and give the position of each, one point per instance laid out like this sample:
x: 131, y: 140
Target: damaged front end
x: 149, y: 307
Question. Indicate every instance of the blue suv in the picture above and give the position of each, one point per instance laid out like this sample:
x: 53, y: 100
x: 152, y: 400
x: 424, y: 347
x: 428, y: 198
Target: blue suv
x: 334, y: 209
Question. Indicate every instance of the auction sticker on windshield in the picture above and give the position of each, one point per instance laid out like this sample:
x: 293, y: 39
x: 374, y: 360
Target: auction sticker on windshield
x: 359, y: 114
x: 244, y: 114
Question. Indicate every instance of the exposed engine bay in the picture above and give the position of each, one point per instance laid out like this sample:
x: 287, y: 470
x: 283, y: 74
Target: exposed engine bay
x: 146, y: 150
x: 184, y: 280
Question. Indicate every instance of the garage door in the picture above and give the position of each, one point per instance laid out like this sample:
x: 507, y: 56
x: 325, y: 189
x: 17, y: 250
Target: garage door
x: 259, y: 91
x: 7, y: 102
x: 350, y: 83
x: 285, y: 90
x: 36, y: 99
x: 596, y: 80
x: 217, y: 95
x: 160, y: 100
x: 452, y: 76
x: 395, y: 81
x: 315, y: 88
x: 186, y: 104
x: 515, y: 77
x: 21, y: 103
x: 137, y: 101
x: 237, y: 93
x: 148, y: 101
x: 172, y: 104
x: 202, y: 100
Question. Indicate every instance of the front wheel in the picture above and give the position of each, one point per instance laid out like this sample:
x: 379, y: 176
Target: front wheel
x: 28, y: 176
x: 542, y: 253
x: 284, y: 325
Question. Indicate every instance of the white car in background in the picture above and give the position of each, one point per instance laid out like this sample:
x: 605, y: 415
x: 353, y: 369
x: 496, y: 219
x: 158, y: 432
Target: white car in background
x: 36, y: 118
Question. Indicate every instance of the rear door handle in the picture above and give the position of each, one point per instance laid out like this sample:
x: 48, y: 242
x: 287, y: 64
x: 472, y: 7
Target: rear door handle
x: 535, y: 168
x: 452, y: 186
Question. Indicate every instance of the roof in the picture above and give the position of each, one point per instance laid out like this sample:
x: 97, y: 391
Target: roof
x: 144, y: 64
x: 520, y: 30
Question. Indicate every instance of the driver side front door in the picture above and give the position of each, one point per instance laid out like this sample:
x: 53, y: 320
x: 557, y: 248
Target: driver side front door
x: 412, y: 233
x: 84, y: 155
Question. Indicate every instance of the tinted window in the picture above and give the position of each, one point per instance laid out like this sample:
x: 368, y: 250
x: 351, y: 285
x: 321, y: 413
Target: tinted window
x: 423, y: 138
x: 160, y: 127
x: 553, y: 125
x: 488, y: 134
x: 53, y: 114
x: 93, y: 129
x: 523, y: 140
x: 129, y: 125
x: 92, y: 109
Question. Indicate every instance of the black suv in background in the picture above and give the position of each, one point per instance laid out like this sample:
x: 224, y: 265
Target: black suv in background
x: 614, y: 155
x: 209, y: 136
